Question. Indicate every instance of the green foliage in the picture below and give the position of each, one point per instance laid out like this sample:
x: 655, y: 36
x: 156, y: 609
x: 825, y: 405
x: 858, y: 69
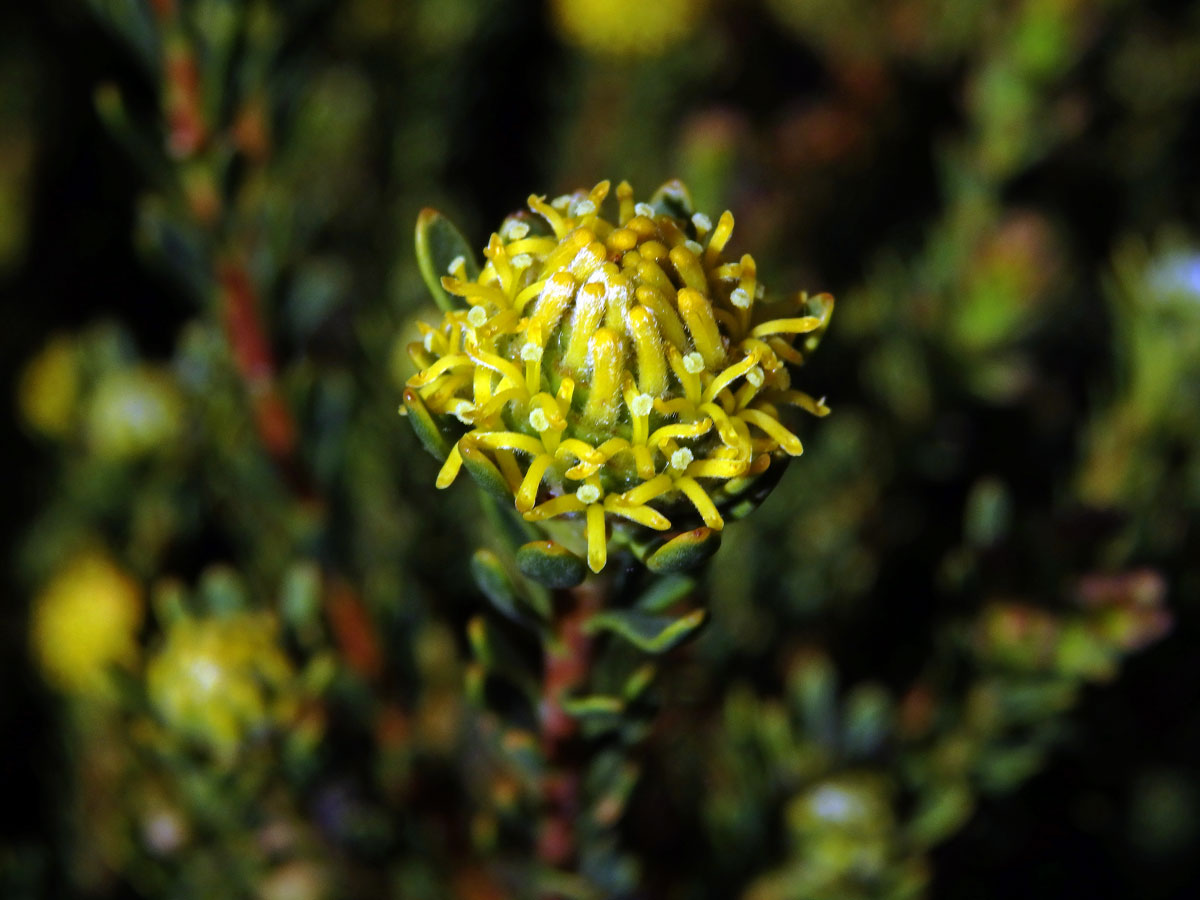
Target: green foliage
x: 336, y: 694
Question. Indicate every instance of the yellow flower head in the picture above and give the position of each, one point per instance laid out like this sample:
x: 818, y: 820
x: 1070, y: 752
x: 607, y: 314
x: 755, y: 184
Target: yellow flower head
x: 221, y: 680
x: 615, y: 370
x: 84, y: 621
x: 626, y: 27
x: 49, y: 388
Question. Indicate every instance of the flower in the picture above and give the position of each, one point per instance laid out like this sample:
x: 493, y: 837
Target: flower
x: 132, y: 412
x: 626, y: 27
x: 49, y: 388
x: 620, y: 373
x: 219, y: 680
x: 84, y: 621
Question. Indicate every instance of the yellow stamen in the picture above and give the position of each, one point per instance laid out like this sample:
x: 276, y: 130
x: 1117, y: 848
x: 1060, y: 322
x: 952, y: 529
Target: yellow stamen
x: 718, y: 240
x: 728, y: 376
x: 555, y: 298
x: 559, y: 506
x: 802, y: 325
x: 702, y: 502
x: 788, y: 441
x: 509, y: 372
x: 718, y: 468
x: 688, y: 380
x: 651, y: 360
x: 624, y: 202
x: 589, y: 310
x: 689, y: 269
x: 647, y: 491
x: 665, y: 315
x: 450, y: 468
x: 549, y: 213
x: 498, y: 254
x: 445, y: 364
x: 698, y: 314
x: 509, y: 469
x: 509, y: 440
x: 643, y: 515
x: 527, y: 494
x: 608, y: 361
x: 597, y: 537
x: 672, y: 432
x: 472, y: 290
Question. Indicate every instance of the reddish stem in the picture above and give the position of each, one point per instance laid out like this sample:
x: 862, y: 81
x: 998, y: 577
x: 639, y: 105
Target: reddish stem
x: 255, y: 362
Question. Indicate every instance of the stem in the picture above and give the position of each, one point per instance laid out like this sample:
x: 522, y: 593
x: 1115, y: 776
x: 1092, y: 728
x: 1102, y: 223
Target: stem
x: 567, y: 665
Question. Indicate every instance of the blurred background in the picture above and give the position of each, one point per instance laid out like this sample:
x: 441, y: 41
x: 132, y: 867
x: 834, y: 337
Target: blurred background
x: 953, y: 655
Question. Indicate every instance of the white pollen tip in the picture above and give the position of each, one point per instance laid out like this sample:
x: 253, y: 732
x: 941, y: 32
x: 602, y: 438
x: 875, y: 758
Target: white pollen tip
x: 755, y: 376
x: 585, y: 208
x: 694, y: 363
x: 588, y: 494
x: 740, y: 298
x: 477, y: 316
x: 760, y: 291
x: 537, y: 418
x: 642, y: 405
x: 681, y: 458
x: 517, y: 230
x: 561, y: 202
x: 428, y: 341
x: 459, y: 262
x: 694, y: 247
x: 702, y: 222
x: 463, y: 414
x: 531, y: 353
x: 522, y: 261
x: 644, y: 209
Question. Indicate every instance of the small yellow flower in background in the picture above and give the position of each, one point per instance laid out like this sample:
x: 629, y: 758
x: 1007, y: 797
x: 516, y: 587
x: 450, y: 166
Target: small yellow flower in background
x: 616, y: 370
x: 219, y: 681
x: 132, y: 412
x: 626, y: 27
x: 49, y: 389
x: 85, y: 621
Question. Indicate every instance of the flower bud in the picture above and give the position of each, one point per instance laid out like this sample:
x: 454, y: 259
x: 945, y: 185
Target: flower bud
x: 625, y: 373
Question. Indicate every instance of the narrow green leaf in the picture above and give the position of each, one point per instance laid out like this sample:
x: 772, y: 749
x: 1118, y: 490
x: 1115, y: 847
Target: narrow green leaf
x: 495, y: 584
x: 593, y: 706
x: 651, y: 634
x: 438, y: 244
x: 551, y: 564
x: 483, y: 470
x: 424, y: 426
x: 685, y: 552
x: 664, y: 593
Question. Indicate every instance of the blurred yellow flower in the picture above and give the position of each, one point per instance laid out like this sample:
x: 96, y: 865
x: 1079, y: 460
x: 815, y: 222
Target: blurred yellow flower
x: 626, y: 27
x: 84, y: 621
x: 49, y: 388
x: 132, y: 412
x: 219, y: 681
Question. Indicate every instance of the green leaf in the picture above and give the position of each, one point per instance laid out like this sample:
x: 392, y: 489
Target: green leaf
x: 651, y: 634
x: 424, y: 427
x: 673, y: 199
x: 500, y: 658
x: 493, y: 580
x: 664, y: 593
x: 685, y: 552
x: 483, y: 470
x: 551, y: 564
x: 593, y: 706
x: 438, y: 244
